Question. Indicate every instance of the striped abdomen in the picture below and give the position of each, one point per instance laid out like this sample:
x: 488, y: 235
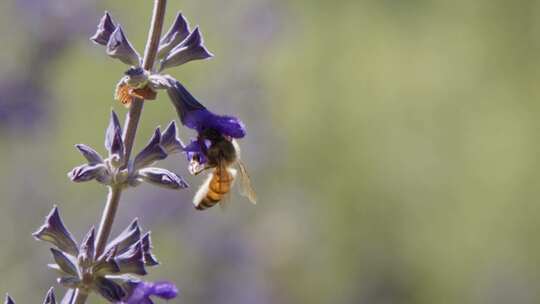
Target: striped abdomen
x: 218, y: 184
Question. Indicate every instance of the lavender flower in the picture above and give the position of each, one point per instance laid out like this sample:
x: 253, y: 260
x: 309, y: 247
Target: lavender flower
x: 111, y: 269
x: 142, y: 291
x: 195, y: 116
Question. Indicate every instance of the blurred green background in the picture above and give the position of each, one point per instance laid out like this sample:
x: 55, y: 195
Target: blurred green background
x: 393, y: 145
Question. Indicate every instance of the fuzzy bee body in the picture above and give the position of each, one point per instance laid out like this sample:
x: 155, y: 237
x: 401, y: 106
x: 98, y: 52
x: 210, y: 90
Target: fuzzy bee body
x: 217, y: 185
x: 222, y: 155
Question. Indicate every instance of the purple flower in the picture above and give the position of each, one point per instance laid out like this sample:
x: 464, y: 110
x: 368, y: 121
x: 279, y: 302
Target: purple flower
x: 195, y: 116
x: 144, y: 290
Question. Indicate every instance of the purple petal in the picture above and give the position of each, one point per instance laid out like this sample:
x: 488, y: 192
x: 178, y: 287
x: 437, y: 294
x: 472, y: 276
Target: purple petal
x: 120, y: 48
x: 69, y: 282
x: 195, y: 151
x: 87, y: 251
x: 86, y: 173
x: 151, y: 153
x: 162, y: 177
x: 170, y: 140
x: 195, y: 116
x: 105, y: 28
x: 109, y: 289
x: 225, y: 125
x: 149, y: 258
x: 50, y: 298
x: 192, y: 48
x: 90, y: 154
x: 132, y: 261
x: 9, y: 300
x: 105, y: 267
x: 182, y: 100
x: 54, y: 231
x: 113, y: 137
x: 68, y: 296
x: 127, y: 238
x: 65, y: 264
x: 144, y: 290
x: 174, y: 36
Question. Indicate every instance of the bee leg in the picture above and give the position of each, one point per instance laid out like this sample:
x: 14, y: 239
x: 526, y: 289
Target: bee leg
x: 195, y: 168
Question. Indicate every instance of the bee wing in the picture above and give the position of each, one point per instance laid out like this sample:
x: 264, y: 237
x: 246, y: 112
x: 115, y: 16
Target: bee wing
x: 203, y: 190
x: 245, y: 183
x: 224, y: 203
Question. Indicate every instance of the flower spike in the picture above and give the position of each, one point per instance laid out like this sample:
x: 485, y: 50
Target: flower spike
x: 120, y: 48
x: 105, y: 28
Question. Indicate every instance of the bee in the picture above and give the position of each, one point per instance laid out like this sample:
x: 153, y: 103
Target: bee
x: 222, y: 156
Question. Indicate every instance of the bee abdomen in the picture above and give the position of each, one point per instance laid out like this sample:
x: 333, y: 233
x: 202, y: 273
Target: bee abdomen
x: 218, y: 186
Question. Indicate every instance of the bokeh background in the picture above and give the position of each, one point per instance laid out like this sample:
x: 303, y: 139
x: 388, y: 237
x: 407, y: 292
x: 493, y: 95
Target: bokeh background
x: 393, y: 144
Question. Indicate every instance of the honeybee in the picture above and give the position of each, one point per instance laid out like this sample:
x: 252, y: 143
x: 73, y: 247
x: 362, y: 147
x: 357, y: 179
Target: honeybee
x: 222, y: 156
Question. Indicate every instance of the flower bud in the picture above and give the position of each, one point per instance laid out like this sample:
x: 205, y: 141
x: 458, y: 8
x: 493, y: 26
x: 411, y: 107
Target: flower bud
x: 192, y: 48
x: 151, y: 153
x: 169, y: 139
x: 105, y: 28
x: 174, y: 36
x: 54, y: 232
x: 64, y: 263
x: 120, y: 48
x: 162, y: 177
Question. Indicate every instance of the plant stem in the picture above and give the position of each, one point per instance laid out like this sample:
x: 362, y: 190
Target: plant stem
x: 130, y: 130
x: 107, y: 219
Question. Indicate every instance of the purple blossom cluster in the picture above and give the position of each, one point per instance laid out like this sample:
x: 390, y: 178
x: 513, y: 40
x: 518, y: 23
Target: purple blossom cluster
x: 112, y: 269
